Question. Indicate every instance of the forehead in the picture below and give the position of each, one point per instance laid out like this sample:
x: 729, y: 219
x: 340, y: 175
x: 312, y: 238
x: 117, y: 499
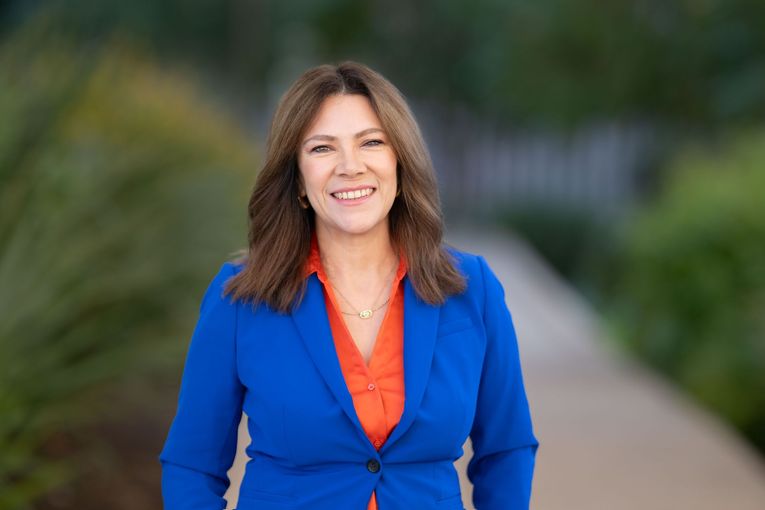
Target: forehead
x: 343, y: 115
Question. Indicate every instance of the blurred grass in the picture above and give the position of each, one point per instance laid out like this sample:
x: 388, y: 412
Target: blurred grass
x: 121, y: 192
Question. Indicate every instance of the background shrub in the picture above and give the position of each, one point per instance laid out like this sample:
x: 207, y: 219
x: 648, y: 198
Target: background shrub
x: 692, y: 284
x: 569, y: 239
x: 121, y: 193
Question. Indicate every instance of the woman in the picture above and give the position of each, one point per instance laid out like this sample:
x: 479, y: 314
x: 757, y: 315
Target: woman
x: 362, y: 350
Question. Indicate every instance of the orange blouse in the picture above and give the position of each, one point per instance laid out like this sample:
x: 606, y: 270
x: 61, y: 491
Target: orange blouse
x: 377, y: 389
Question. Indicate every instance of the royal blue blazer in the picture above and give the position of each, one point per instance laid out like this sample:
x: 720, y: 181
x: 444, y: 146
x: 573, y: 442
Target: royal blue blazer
x: 462, y: 378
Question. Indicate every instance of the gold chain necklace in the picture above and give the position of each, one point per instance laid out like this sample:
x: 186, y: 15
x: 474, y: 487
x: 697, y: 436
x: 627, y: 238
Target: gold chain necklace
x: 367, y: 312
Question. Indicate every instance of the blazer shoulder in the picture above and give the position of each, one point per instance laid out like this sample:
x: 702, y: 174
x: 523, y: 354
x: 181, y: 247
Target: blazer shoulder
x: 215, y: 294
x: 474, y: 268
x: 226, y: 271
x: 469, y: 264
x: 231, y: 268
x: 481, y: 278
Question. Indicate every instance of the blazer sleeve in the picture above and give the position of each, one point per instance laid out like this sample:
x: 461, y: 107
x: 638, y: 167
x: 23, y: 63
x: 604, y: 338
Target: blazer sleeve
x: 201, y: 443
x: 504, y: 444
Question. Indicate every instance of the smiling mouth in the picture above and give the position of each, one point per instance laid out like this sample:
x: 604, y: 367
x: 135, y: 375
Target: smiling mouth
x: 353, y: 195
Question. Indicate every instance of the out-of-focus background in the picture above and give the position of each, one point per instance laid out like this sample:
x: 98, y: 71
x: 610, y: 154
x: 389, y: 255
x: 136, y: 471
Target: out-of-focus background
x: 607, y: 157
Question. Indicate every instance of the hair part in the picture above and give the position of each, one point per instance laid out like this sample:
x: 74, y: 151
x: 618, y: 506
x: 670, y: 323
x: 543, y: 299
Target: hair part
x: 280, y: 231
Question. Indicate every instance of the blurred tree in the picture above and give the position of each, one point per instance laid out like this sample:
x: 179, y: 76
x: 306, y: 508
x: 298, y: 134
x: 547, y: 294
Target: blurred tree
x: 699, y: 62
x: 119, y: 188
x: 691, y: 293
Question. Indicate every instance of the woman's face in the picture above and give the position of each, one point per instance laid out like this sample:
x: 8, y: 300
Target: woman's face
x: 348, y: 167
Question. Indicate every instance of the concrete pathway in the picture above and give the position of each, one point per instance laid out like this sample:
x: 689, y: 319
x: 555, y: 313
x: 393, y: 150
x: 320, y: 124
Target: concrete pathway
x: 613, y: 435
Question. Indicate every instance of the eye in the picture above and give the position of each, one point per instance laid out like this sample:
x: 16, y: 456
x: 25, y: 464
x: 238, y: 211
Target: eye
x: 374, y: 143
x: 320, y: 148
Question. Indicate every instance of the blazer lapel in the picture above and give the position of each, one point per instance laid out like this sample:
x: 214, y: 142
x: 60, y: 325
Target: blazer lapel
x: 313, y: 325
x: 420, y: 329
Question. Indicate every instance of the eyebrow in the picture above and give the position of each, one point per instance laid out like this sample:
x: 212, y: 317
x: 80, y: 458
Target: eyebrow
x: 330, y: 138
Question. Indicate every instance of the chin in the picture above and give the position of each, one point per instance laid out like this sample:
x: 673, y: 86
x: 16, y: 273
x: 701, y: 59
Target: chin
x: 358, y: 228
x: 357, y: 231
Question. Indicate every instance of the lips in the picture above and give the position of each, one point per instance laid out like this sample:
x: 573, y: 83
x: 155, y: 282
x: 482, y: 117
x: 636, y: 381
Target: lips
x: 355, y: 194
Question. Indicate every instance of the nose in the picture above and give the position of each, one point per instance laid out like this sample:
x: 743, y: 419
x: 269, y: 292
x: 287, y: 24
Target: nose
x: 350, y: 163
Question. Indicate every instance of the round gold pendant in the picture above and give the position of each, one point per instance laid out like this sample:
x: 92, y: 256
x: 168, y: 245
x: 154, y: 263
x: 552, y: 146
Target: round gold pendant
x: 365, y: 314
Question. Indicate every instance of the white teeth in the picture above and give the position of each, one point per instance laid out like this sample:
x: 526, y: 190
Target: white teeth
x: 351, y: 195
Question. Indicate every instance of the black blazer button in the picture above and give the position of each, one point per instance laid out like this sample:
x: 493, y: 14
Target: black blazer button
x: 373, y: 466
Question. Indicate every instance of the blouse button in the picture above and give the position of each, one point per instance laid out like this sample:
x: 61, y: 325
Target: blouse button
x: 377, y: 443
x: 371, y: 387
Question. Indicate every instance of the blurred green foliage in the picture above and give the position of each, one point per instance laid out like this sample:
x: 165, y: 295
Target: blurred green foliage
x: 690, y: 294
x: 121, y: 193
x: 690, y: 61
x: 568, y: 238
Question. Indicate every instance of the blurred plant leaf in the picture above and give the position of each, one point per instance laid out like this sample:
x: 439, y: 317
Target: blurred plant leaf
x: 120, y: 194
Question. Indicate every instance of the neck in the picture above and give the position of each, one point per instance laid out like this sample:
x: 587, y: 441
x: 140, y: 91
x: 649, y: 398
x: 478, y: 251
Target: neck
x: 357, y: 259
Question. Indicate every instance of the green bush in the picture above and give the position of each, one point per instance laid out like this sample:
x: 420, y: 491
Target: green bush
x: 568, y: 238
x: 121, y: 191
x: 692, y: 288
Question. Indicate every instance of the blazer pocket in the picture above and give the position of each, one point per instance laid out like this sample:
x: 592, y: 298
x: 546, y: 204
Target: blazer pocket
x: 455, y: 326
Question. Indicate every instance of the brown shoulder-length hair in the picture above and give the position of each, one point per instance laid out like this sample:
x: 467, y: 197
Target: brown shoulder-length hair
x: 280, y: 230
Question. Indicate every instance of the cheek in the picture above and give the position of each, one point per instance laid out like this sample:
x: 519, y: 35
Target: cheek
x: 389, y: 164
x: 311, y: 177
